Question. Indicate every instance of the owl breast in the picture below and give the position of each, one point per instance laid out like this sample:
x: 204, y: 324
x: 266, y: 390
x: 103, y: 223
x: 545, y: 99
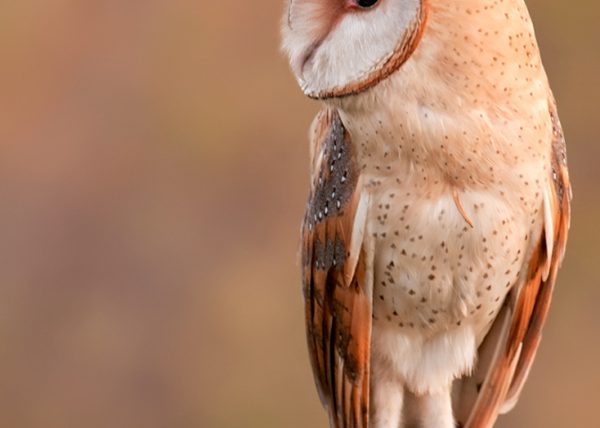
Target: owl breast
x: 433, y: 270
x: 439, y: 283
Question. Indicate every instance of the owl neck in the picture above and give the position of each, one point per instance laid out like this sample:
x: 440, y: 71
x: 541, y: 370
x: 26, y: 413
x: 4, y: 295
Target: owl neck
x: 417, y: 142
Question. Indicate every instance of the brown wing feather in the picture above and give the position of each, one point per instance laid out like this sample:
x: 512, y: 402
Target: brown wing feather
x: 337, y: 288
x: 527, y: 307
x: 562, y: 219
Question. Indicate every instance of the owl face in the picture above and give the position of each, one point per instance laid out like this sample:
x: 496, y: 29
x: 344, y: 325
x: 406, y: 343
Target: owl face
x: 343, y: 47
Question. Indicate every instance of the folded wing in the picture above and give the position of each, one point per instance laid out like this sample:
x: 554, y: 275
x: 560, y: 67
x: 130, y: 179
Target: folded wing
x: 337, y: 276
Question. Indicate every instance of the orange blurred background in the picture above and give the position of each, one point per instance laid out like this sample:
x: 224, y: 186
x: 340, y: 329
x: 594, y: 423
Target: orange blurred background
x: 153, y: 174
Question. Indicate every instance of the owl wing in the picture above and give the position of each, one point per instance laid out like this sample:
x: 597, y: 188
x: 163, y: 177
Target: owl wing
x: 337, y: 275
x: 508, y: 351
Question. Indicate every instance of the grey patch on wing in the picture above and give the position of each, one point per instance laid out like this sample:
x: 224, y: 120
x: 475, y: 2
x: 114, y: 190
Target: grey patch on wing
x: 336, y: 179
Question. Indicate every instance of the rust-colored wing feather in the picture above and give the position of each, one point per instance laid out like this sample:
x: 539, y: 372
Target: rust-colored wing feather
x: 337, y: 276
x: 509, y: 350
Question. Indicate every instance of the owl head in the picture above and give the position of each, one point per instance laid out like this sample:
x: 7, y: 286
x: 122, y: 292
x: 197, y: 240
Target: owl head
x: 338, y: 48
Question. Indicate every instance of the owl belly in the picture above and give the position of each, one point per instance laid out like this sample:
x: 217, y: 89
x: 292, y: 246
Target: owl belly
x: 438, y: 282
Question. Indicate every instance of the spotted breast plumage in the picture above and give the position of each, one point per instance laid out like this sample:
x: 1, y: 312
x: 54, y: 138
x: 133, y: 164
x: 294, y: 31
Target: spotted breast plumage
x: 439, y: 206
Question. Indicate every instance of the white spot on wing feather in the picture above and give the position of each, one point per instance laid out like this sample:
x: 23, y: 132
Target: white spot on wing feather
x: 549, y: 230
x: 358, y: 231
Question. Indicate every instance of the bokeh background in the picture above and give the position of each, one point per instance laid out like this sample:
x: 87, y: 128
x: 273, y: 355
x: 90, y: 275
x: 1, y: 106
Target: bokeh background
x: 153, y: 174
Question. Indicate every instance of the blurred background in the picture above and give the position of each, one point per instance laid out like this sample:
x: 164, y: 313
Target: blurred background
x: 153, y: 174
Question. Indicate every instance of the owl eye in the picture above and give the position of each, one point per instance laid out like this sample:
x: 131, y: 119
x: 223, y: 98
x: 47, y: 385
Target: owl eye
x: 366, y: 3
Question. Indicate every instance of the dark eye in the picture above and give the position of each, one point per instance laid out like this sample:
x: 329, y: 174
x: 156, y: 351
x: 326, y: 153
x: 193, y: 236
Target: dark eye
x: 366, y: 3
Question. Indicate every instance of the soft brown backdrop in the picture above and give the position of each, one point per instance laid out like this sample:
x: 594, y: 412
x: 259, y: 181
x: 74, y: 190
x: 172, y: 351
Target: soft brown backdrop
x: 153, y: 171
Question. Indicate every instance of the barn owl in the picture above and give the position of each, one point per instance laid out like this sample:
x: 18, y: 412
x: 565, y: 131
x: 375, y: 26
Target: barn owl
x: 439, y: 206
